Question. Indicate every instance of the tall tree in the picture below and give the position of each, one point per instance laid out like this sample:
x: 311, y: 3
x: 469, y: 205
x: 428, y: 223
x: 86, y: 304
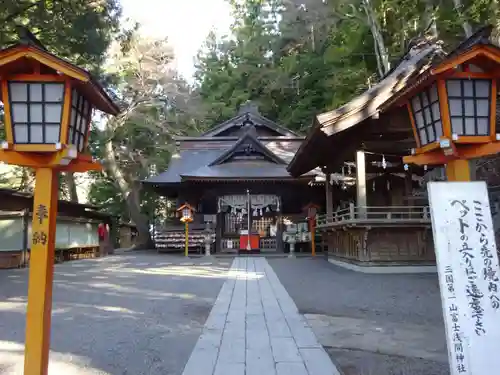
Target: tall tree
x: 157, y: 105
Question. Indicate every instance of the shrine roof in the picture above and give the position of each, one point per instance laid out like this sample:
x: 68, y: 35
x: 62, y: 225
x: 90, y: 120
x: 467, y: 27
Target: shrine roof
x: 240, y: 170
x: 248, y: 146
x: 232, y: 161
x: 187, y: 161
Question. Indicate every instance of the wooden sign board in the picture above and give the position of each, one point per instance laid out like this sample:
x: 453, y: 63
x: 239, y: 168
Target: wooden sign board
x: 467, y: 262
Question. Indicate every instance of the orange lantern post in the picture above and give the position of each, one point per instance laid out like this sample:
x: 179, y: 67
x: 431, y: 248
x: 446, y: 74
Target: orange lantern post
x: 311, y: 209
x: 48, y: 106
x: 187, y: 213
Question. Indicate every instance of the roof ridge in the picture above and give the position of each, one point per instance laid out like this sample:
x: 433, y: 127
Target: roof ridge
x: 249, y: 134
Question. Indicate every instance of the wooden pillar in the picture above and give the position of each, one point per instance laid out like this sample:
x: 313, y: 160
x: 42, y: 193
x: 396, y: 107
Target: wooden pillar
x: 361, y: 182
x: 218, y: 231
x: 41, y: 272
x: 279, y: 233
x: 329, y: 198
x: 458, y: 170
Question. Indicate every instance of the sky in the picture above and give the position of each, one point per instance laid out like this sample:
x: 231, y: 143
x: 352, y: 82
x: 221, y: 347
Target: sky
x: 186, y: 23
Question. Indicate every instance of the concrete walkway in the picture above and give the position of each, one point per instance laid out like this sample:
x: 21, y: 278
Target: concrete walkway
x: 254, y: 328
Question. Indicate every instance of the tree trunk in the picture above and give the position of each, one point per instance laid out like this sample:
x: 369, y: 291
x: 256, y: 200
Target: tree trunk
x: 69, y: 178
x: 430, y: 19
x: 380, y: 48
x: 130, y: 195
x: 465, y: 25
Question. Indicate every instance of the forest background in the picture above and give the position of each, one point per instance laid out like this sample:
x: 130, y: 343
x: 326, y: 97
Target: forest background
x: 295, y: 58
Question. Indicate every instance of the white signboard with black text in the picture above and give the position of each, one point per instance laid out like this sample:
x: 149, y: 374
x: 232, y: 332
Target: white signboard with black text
x: 467, y: 263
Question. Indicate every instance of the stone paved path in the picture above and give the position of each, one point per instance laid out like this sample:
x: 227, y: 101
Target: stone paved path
x: 255, y: 328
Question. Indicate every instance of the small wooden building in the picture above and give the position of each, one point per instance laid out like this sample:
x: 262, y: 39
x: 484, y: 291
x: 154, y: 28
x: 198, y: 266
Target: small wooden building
x: 219, y: 172
x: 76, y: 232
x: 385, y: 218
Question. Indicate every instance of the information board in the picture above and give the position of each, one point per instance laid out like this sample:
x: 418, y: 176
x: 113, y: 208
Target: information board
x: 467, y: 262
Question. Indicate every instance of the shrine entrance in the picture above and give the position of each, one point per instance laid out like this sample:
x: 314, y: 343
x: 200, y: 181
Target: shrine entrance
x: 262, y: 217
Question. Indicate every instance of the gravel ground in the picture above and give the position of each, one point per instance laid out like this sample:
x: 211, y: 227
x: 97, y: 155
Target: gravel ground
x: 127, y: 314
x: 318, y: 287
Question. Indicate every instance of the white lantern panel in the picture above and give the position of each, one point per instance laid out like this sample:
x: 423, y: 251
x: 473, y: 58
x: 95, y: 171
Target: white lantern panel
x: 468, y: 89
x: 469, y: 107
x: 78, y: 121
x: 52, y: 133
x: 415, y: 103
x: 427, y: 114
x: 482, y: 89
x: 80, y: 144
x: 483, y: 126
x: 36, y: 133
x: 74, y: 98
x: 35, y: 92
x: 18, y: 92
x: 70, y: 136
x: 54, y: 92
x: 456, y: 107
x: 470, y: 126
x: 73, y: 118
x: 83, y: 125
x: 21, y: 133
x: 439, y: 129
x: 430, y: 134
x: 423, y: 137
x: 434, y: 93
x: 454, y: 88
x: 436, y: 112
x: 425, y: 101
x: 20, y: 112
x: 53, y: 113
x: 483, y: 107
x: 419, y: 119
x: 80, y: 105
x: 36, y: 113
x: 457, y: 125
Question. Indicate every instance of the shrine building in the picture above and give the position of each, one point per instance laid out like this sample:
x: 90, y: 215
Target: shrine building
x: 220, y: 171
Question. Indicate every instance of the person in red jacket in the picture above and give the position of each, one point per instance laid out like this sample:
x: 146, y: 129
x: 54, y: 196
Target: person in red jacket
x: 102, y: 232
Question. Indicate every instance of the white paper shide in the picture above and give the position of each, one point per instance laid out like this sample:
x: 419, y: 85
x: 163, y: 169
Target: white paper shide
x: 467, y: 261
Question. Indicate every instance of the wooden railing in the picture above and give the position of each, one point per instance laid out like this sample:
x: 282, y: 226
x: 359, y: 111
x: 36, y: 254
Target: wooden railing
x: 376, y: 215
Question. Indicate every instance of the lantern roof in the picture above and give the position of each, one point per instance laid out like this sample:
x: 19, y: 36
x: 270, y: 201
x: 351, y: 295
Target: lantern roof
x: 185, y: 205
x: 18, y: 60
x: 311, y: 205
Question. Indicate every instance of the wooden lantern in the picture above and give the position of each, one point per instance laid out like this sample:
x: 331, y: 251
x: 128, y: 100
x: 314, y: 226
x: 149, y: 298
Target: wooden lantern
x: 186, y: 213
x: 48, y: 105
x: 452, y: 107
x: 311, y: 210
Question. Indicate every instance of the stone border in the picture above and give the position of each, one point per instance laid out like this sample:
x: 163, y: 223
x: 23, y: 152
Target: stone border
x: 383, y: 269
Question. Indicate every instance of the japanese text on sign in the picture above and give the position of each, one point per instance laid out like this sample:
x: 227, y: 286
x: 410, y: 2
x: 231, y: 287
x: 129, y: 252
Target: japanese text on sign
x: 39, y: 238
x: 467, y: 263
x: 41, y: 213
